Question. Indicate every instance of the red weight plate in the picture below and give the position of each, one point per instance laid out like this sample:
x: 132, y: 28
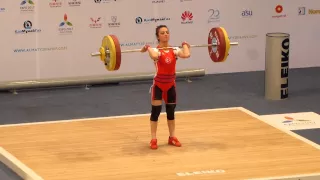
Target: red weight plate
x: 217, y: 53
x: 118, y: 51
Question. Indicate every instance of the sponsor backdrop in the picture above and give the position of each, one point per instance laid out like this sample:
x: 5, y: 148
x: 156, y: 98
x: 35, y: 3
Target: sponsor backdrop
x: 54, y: 38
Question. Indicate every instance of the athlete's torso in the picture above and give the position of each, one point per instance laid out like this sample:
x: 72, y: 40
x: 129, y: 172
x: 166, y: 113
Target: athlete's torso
x: 166, y: 66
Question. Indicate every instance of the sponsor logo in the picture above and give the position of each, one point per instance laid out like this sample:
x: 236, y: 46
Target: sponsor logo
x: 214, y: 15
x: 55, y: 3
x: 95, y: 23
x: 279, y: 11
x: 27, y: 6
x: 74, y: 3
x: 246, y: 13
x: 219, y: 171
x: 114, y: 22
x: 185, y: 0
x: 302, y: 11
x: 290, y: 121
x: 140, y: 20
x: 252, y: 36
x: 27, y: 28
x: 314, y: 11
x: 2, y: 9
x: 158, y: 1
x: 103, y: 1
x: 284, y: 68
x: 65, y: 27
x: 187, y: 17
x: 137, y: 43
x: 39, y: 49
x: 293, y: 121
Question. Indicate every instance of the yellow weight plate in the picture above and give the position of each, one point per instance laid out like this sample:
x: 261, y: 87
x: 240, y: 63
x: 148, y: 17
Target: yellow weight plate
x: 102, y: 54
x: 227, y: 40
x: 108, y: 43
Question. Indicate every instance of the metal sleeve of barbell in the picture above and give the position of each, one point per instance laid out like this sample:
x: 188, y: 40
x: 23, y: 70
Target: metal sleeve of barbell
x: 96, y: 54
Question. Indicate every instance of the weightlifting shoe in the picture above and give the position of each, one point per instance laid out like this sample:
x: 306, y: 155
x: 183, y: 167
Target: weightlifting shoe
x: 153, y: 144
x: 174, y: 141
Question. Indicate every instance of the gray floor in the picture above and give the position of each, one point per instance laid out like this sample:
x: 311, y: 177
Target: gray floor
x: 212, y: 91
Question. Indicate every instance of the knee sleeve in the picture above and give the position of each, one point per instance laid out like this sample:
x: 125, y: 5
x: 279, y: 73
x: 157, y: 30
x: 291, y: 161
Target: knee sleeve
x: 170, y: 109
x: 155, y: 112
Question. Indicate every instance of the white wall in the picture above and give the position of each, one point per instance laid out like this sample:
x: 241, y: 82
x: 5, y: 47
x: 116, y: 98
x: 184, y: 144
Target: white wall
x: 74, y: 59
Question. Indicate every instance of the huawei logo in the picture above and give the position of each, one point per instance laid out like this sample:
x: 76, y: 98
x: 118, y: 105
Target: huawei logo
x: 187, y: 15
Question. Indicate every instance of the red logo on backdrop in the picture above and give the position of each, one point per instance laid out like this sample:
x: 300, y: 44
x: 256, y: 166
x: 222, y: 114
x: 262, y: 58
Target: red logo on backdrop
x: 55, y: 3
x: 95, y: 20
x: 279, y: 9
x: 95, y: 23
x: 187, y: 17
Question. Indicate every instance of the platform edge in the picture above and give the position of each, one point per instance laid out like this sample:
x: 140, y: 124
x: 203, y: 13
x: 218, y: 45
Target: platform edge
x: 114, y: 117
x: 17, y: 166
x: 315, y: 176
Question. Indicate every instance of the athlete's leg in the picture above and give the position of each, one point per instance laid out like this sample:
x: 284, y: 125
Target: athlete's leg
x: 170, y: 110
x: 156, y: 106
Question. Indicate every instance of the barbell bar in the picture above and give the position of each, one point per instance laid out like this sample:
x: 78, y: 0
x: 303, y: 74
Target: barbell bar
x: 138, y: 50
x: 218, y: 48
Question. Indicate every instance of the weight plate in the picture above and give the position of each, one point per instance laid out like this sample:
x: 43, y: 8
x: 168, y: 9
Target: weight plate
x: 217, y: 53
x: 110, y: 61
x: 118, y: 52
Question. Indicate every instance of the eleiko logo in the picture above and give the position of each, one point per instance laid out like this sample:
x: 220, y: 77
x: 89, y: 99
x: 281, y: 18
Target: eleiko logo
x: 65, y: 27
x: 27, y: 28
x: 187, y: 17
x: 218, y: 171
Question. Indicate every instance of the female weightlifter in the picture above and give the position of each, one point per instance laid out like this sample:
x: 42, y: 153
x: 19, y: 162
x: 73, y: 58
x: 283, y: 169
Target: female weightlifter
x: 164, y: 84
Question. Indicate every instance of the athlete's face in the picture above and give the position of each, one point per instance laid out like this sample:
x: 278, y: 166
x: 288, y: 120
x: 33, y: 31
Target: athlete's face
x: 163, y: 34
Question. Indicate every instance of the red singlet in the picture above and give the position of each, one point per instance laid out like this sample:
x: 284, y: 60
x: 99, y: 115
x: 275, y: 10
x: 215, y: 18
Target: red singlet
x: 166, y: 66
x: 165, y: 69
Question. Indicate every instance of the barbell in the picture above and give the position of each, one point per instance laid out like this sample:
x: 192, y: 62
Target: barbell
x: 218, y: 48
